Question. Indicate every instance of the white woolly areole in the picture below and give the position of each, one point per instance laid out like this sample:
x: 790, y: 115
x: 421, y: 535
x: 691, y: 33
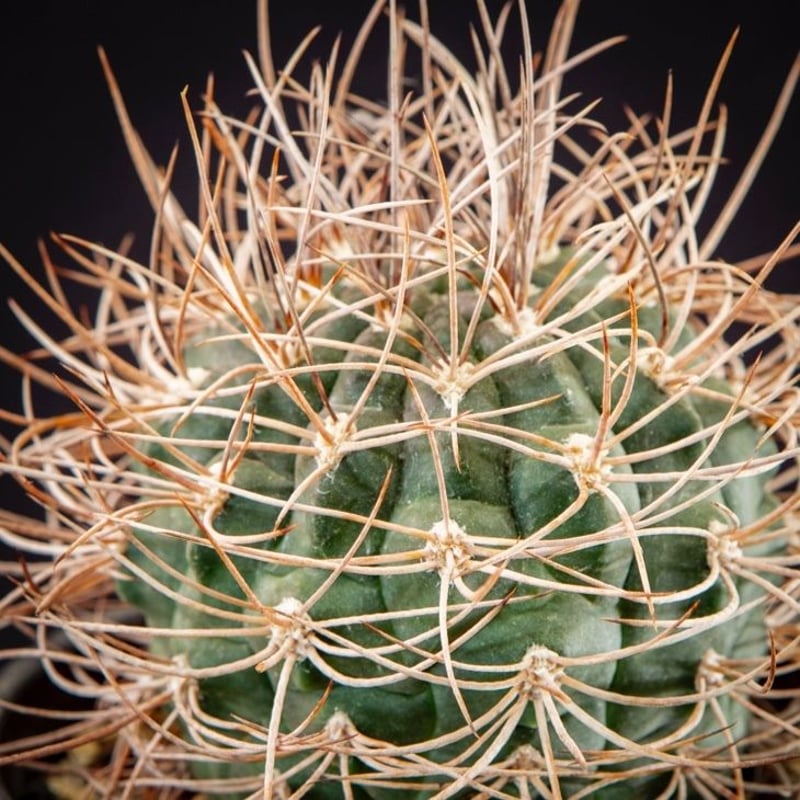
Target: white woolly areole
x: 215, y: 494
x: 329, y: 444
x: 540, y: 671
x: 524, y: 325
x: 339, y: 727
x: 336, y: 245
x: 290, y: 630
x: 724, y: 550
x: 174, y: 389
x: 384, y: 320
x: 547, y: 255
x: 662, y: 369
x: 452, y: 384
x: 590, y: 469
x: 720, y: 528
x: 527, y: 759
x: 448, y: 549
x: 197, y: 376
x: 710, y: 672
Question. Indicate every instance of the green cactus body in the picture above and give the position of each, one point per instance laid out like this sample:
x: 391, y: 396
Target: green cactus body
x: 429, y: 478
x: 515, y: 555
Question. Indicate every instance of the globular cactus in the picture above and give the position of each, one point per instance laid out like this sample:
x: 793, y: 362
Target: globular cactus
x: 426, y: 459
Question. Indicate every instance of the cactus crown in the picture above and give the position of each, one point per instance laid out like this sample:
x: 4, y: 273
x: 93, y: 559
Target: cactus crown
x: 424, y: 455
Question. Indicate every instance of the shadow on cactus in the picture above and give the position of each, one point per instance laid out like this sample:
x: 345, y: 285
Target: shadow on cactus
x: 424, y: 455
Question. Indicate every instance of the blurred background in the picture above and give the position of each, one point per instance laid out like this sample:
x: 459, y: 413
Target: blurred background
x: 65, y: 168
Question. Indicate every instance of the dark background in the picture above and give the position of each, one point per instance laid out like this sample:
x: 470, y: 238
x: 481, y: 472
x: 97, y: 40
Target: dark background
x: 64, y: 166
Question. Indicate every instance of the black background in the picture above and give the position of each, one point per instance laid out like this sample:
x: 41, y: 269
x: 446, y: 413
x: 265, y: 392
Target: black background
x: 63, y: 161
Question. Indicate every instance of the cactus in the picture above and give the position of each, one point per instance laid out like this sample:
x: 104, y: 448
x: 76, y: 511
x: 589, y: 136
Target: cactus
x: 425, y: 458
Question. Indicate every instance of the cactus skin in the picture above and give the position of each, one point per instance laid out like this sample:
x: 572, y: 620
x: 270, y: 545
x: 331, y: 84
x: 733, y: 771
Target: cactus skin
x: 461, y: 492
x: 386, y: 501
